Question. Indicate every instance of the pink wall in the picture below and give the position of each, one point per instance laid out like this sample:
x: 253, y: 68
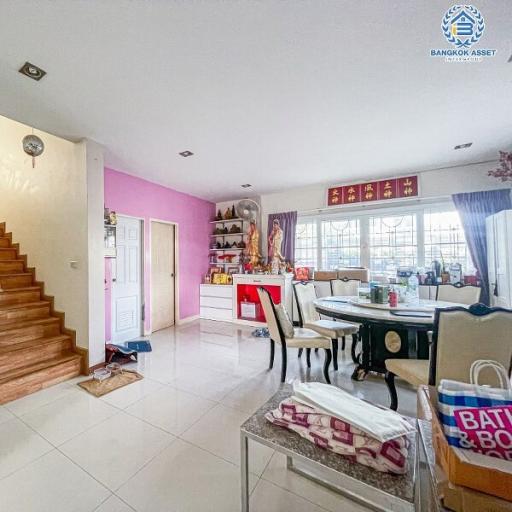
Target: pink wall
x: 140, y: 198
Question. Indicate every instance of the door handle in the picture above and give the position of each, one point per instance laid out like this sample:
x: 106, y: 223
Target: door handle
x: 114, y: 279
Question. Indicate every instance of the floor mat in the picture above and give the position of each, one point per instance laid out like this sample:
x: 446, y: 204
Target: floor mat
x: 139, y: 346
x: 97, y: 388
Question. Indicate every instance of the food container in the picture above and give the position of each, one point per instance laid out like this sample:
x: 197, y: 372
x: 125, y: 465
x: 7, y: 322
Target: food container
x: 101, y: 374
x: 114, y: 368
x: 379, y: 294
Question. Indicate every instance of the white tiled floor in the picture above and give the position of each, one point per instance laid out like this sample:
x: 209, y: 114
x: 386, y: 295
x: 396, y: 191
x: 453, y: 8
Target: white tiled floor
x: 168, y: 443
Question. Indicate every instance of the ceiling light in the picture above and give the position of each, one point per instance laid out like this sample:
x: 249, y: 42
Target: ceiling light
x: 464, y: 146
x: 32, y: 71
x: 246, y: 185
x: 186, y: 153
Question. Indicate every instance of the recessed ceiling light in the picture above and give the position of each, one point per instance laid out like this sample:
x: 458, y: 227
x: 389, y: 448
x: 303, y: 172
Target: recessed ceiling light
x: 246, y: 185
x: 32, y: 71
x: 186, y: 153
x: 463, y: 146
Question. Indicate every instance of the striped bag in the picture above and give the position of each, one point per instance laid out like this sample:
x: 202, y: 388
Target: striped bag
x: 454, y: 395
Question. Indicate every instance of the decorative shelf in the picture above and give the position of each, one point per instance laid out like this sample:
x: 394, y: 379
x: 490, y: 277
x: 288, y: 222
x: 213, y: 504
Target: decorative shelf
x: 229, y: 234
x: 226, y: 221
x: 226, y: 250
x: 224, y: 264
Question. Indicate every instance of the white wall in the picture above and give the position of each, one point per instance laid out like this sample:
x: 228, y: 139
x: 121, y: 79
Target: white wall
x: 437, y: 184
x: 96, y: 266
x: 46, y: 209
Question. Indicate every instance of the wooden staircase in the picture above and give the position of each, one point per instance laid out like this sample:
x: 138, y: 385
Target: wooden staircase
x: 36, y: 350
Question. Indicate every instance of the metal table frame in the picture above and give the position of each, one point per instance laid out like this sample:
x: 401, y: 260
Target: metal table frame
x: 353, y: 489
x: 346, y: 485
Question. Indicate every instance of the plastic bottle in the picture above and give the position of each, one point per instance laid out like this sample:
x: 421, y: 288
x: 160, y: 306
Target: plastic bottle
x: 412, y: 288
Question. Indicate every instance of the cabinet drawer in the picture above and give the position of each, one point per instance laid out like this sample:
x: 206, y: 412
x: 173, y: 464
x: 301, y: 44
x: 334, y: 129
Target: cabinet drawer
x: 212, y: 290
x: 216, y: 302
x: 216, y: 314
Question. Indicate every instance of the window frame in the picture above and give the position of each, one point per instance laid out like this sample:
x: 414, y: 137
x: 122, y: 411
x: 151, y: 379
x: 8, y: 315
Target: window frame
x: 364, y: 215
x: 325, y: 248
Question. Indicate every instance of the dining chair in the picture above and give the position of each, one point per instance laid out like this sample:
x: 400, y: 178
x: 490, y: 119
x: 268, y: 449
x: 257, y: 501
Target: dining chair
x: 296, y: 337
x: 463, y: 294
x: 348, y: 287
x: 460, y: 337
x: 345, y: 287
x: 305, y: 296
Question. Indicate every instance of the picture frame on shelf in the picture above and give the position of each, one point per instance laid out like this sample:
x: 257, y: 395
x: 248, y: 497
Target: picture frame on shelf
x: 220, y: 278
x: 110, y: 241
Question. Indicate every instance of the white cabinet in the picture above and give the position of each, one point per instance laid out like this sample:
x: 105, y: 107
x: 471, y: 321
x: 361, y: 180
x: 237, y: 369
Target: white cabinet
x: 216, y: 302
x: 499, y: 258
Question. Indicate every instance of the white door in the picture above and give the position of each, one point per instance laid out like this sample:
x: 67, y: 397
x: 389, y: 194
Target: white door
x: 162, y: 275
x: 127, y: 281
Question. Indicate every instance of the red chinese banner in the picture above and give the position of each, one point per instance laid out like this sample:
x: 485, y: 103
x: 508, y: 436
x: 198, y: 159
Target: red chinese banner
x: 373, y: 191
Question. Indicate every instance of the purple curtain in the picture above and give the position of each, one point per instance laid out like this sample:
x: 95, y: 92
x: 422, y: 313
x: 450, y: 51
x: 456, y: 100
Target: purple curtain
x: 473, y: 209
x: 288, y: 223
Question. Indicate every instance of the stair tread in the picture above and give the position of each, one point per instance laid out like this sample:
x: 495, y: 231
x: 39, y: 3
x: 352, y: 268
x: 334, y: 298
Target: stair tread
x: 28, y: 323
x: 21, y: 289
x: 22, y: 305
x: 41, y: 365
x: 34, y: 343
x: 16, y: 274
x: 11, y: 261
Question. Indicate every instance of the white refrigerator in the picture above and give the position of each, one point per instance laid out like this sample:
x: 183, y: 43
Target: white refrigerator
x: 499, y: 258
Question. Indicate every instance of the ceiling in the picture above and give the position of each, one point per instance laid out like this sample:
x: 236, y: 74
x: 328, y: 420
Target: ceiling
x: 276, y: 93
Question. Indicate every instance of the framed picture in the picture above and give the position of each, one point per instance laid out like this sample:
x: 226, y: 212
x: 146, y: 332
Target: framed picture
x: 110, y: 241
x: 302, y: 274
x: 219, y: 278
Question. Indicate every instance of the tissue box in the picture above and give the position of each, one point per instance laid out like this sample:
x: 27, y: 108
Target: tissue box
x: 248, y: 309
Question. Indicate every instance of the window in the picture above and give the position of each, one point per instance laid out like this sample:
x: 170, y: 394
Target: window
x: 306, y: 245
x: 341, y: 244
x: 382, y: 242
x: 445, y: 240
x: 393, y: 243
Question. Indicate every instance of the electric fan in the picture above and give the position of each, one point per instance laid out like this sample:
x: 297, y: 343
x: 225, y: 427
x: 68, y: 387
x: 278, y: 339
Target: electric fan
x: 247, y: 209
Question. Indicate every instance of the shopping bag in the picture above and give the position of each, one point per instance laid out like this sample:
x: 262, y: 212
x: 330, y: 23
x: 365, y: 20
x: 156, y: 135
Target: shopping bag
x: 455, y: 396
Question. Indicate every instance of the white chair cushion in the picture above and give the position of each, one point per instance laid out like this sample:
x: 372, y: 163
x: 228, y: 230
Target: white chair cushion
x: 414, y: 371
x: 307, y: 338
x: 284, y: 320
x: 332, y: 329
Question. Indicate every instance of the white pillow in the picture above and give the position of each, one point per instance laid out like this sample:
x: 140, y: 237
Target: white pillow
x: 284, y: 320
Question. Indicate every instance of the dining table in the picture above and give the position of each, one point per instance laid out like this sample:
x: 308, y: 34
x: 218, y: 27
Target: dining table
x: 386, y: 332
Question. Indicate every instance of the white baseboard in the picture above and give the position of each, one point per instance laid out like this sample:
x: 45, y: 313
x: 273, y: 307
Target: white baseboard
x: 187, y: 320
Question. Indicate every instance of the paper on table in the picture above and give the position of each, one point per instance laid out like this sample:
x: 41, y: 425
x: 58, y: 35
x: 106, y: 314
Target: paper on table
x: 381, y: 424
